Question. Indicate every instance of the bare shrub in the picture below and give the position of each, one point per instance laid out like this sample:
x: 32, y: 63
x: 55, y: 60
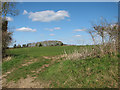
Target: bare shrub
x: 6, y: 40
x: 107, y: 44
x: 108, y: 34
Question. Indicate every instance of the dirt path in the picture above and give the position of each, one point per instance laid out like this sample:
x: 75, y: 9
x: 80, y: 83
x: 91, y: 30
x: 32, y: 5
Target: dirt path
x: 25, y: 83
x: 53, y: 59
x: 30, y: 82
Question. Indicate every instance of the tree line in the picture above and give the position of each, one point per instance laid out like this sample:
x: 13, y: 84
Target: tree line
x: 40, y: 44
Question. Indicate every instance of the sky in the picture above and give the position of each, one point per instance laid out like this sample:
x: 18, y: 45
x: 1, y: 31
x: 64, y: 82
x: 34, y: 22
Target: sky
x: 63, y: 21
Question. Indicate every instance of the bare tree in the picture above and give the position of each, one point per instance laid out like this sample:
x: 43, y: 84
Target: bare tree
x: 108, y: 33
x: 8, y: 8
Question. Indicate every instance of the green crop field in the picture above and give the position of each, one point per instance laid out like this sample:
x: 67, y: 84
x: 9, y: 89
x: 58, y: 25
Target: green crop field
x: 42, y: 64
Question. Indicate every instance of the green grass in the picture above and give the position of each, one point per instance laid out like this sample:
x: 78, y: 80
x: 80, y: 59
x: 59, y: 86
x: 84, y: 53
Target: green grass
x: 42, y: 51
x: 26, y: 70
x: 20, y: 55
x: 91, y: 72
x: 14, y: 63
x: 83, y: 73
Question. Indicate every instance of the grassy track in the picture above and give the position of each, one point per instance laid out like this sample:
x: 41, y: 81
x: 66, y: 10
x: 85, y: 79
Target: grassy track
x: 91, y: 72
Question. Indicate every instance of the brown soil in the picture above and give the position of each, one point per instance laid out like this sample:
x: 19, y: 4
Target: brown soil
x: 25, y: 83
x: 29, y: 62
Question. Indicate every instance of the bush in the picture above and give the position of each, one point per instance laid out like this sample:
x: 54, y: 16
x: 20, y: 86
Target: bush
x: 40, y: 45
x: 14, y: 46
x: 19, y: 46
x: 24, y: 45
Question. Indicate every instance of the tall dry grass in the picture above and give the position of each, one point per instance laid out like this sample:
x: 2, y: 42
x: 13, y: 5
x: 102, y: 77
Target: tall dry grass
x: 91, y: 52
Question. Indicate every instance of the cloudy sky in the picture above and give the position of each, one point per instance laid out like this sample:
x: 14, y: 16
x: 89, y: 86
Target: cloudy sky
x: 63, y: 21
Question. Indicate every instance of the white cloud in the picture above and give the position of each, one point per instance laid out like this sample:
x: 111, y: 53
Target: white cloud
x: 52, y: 34
x: 77, y: 35
x: 26, y: 29
x: 25, y: 12
x: 78, y: 30
x: 9, y: 19
x: 55, y: 28
x: 48, y: 15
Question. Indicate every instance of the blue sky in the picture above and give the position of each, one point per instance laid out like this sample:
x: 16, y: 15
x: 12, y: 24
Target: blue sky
x: 62, y: 21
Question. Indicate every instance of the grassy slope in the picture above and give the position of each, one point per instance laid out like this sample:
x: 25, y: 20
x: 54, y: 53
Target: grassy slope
x: 41, y: 51
x: 22, y: 55
x: 95, y: 72
x: 88, y: 73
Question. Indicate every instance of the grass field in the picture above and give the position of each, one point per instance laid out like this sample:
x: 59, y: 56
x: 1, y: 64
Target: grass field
x: 44, y: 64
